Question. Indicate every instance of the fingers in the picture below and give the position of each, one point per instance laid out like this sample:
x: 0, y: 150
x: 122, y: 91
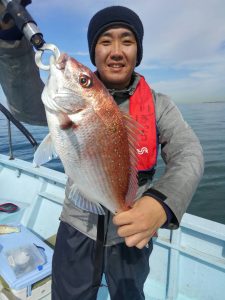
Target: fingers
x: 127, y: 230
x: 143, y: 243
x: 138, y: 240
x: 135, y: 227
x: 122, y: 218
x: 140, y: 223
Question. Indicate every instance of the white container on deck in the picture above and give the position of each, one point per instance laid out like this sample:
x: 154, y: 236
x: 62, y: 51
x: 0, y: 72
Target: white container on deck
x: 25, y: 266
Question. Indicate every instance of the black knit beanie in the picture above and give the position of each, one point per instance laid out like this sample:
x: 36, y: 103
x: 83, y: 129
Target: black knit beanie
x: 115, y: 15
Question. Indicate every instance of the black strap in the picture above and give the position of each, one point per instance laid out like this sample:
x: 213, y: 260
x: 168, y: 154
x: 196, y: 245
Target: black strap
x: 99, y: 253
x: 145, y: 176
x: 155, y: 194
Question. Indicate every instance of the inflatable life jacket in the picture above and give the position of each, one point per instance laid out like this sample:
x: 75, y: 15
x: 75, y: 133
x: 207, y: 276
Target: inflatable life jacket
x: 142, y: 109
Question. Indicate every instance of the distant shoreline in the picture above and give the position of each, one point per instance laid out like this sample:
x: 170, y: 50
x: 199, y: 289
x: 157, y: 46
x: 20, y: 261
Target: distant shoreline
x: 213, y: 102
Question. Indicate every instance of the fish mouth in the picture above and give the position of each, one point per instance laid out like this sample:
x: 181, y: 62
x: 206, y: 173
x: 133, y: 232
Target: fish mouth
x: 65, y: 62
x: 62, y: 61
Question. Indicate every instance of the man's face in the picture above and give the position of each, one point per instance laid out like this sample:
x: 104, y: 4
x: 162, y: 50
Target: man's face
x: 116, y: 56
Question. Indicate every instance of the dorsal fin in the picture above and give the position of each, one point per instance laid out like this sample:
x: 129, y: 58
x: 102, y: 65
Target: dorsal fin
x: 133, y: 133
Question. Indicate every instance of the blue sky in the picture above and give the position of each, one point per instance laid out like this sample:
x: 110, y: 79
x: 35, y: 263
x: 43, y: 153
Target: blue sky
x: 184, y: 41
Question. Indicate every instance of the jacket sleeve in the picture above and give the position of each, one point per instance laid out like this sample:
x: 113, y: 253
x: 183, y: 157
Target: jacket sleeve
x: 183, y: 156
x: 21, y: 82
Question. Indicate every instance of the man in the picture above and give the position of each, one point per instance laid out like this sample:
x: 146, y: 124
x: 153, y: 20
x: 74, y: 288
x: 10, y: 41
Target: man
x: 123, y: 247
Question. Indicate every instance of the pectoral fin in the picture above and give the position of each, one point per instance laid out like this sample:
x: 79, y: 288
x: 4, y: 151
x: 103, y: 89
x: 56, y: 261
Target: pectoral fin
x: 45, y: 152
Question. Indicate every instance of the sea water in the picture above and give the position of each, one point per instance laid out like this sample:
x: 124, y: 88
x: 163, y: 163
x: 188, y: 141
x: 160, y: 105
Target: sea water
x: 208, y: 122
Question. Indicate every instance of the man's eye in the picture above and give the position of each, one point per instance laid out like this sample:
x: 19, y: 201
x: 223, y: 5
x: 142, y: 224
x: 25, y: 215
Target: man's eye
x: 128, y: 42
x: 105, y: 42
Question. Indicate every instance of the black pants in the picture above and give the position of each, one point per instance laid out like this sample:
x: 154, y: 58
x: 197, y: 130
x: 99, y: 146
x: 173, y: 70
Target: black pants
x: 125, y: 268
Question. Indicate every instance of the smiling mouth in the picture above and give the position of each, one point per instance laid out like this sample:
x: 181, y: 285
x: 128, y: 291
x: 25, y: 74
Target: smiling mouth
x: 116, y: 66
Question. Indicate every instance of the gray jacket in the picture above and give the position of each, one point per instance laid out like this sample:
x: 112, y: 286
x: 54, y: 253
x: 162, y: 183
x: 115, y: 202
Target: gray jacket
x: 180, y: 148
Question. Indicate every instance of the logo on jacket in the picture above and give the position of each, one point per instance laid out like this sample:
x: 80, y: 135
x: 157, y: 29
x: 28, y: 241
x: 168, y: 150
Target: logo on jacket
x: 142, y: 150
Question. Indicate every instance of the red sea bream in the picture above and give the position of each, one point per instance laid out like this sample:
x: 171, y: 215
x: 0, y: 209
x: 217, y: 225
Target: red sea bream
x: 95, y: 141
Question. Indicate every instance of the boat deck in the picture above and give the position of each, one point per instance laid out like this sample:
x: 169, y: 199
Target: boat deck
x: 188, y: 263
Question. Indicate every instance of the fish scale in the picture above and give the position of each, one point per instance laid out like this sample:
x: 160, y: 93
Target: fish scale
x: 93, y: 157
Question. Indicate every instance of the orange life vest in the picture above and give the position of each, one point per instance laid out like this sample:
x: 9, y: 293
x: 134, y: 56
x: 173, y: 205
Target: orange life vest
x: 142, y: 109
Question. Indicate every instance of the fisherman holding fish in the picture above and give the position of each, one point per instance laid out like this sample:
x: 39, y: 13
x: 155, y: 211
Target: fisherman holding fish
x: 105, y: 127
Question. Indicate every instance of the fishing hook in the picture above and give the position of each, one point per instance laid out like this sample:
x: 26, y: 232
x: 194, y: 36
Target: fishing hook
x: 39, y: 53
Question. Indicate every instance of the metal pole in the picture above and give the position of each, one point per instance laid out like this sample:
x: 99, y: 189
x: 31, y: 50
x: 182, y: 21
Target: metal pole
x: 10, y: 141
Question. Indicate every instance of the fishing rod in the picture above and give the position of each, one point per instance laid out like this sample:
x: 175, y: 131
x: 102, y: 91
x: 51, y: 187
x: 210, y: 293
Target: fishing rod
x: 16, y: 10
x: 20, y: 126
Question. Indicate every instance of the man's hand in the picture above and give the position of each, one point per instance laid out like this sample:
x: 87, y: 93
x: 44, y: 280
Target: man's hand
x: 139, y: 224
x: 6, y: 22
x: 4, y: 25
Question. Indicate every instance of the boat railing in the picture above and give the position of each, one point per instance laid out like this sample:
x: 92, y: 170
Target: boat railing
x: 20, y: 127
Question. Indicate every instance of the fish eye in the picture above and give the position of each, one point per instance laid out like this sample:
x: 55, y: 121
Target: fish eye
x: 85, y: 81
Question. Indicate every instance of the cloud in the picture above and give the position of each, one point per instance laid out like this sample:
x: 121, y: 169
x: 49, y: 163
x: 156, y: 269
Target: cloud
x: 186, y: 38
x: 79, y: 53
x: 196, y: 87
x: 182, y: 29
x: 174, y: 30
x: 201, y: 75
x: 78, y: 7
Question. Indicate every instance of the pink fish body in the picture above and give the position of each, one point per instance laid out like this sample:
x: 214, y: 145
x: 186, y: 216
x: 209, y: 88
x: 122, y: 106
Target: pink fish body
x: 91, y: 136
